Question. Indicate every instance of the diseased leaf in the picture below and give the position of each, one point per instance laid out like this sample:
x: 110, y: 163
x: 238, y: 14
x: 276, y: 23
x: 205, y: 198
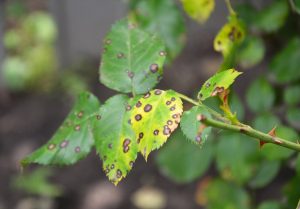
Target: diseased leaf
x: 218, y: 83
x: 199, y: 10
x: 162, y: 17
x: 260, y: 96
x: 228, y: 39
x: 74, y: 139
x: 154, y: 118
x: 114, y: 138
x: 189, y: 162
x: 285, y: 65
x: 195, y: 131
x: 132, y: 59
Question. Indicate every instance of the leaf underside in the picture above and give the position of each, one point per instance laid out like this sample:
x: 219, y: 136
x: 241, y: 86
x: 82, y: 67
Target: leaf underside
x: 218, y: 83
x: 195, y: 131
x: 114, y: 138
x: 74, y: 139
x: 132, y: 59
x: 154, y: 117
x: 199, y: 10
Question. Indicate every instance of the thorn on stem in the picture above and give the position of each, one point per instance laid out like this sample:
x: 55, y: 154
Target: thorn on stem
x: 273, y: 132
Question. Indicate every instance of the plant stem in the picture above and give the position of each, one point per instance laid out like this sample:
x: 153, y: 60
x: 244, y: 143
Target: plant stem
x: 229, y: 7
x: 247, y: 130
x: 213, y: 112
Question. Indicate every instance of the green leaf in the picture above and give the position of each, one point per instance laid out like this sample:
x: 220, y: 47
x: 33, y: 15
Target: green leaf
x: 275, y: 152
x: 114, y: 138
x: 295, y: 5
x: 37, y: 183
x: 265, y: 122
x: 162, y: 17
x: 195, y: 131
x: 222, y: 194
x: 260, y: 95
x: 266, y: 172
x: 251, y: 52
x: 218, y: 83
x: 154, y: 118
x: 236, y: 105
x: 199, y: 10
x: 230, y: 36
x: 285, y: 65
x: 188, y: 164
x: 269, y: 205
x: 272, y: 18
x: 292, y: 191
x: 293, y: 117
x: 231, y: 145
x: 74, y: 139
x: 132, y: 59
x: 292, y: 95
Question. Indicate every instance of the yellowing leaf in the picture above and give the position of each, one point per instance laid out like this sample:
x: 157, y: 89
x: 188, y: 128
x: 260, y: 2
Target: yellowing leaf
x: 232, y: 33
x: 199, y: 10
x: 154, y: 117
x: 218, y: 83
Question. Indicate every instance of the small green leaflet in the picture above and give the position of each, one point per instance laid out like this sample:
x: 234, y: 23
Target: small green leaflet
x: 218, y: 83
x: 199, y: 10
x: 162, y: 17
x: 74, y: 139
x: 232, y: 33
x: 154, y: 118
x: 192, y: 128
x: 114, y: 138
x: 132, y: 59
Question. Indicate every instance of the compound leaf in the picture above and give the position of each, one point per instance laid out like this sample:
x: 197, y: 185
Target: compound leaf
x: 114, y: 138
x: 199, y: 10
x: 154, y: 117
x: 218, y: 83
x: 193, y: 129
x: 132, y: 59
x: 162, y: 17
x: 74, y: 139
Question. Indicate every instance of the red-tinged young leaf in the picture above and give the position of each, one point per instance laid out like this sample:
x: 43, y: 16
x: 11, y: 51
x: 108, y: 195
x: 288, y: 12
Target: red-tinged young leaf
x: 74, y: 139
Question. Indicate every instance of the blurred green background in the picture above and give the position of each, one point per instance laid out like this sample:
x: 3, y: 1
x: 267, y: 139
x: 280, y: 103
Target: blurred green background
x: 50, y: 52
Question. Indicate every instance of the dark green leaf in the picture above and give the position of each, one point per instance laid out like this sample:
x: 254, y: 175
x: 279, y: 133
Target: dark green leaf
x: 292, y: 191
x: 199, y: 10
x: 275, y: 152
x: 265, y: 122
x: 154, y: 118
x: 114, y: 138
x: 222, y: 194
x: 260, y: 96
x: 132, y: 59
x: 195, y: 131
x: 271, y: 18
x: 74, y: 139
x: 293, y: 117
x: 37, y: 183
x: 162, y: 17
x: 292, y: 95
x: 189, y: 162
x: 298, y: 165
x: 231, y: 145
x: 266, y: 172
x: 285, y: 64
x: 269, y: 205
x: 218, y: 83
x: 251, y: 52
